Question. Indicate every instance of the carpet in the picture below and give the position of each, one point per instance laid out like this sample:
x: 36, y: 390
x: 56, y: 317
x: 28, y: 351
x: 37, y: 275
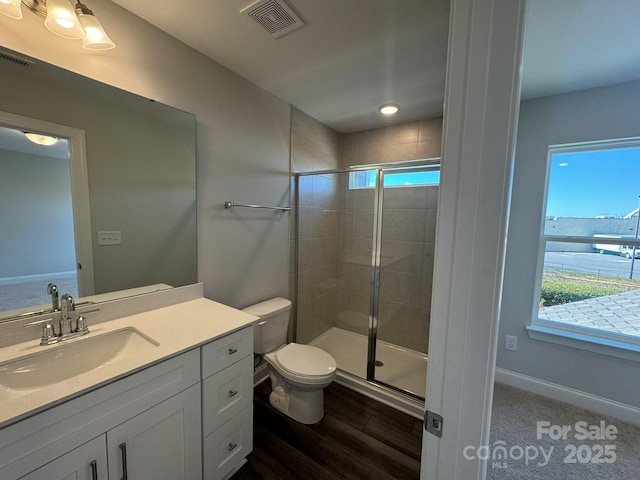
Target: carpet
x: 547, y: 439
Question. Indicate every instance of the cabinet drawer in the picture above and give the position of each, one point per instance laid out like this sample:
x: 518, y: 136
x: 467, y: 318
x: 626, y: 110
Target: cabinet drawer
x: 225, y: 394
x: 227, y: 447
x: 227, y: 350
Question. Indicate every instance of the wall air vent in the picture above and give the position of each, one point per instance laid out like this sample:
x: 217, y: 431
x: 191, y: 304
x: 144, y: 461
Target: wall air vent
x: 275, y: 16
x: 15, y: 60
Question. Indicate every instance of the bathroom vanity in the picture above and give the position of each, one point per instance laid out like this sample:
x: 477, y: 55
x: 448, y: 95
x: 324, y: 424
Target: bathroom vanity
x: 173, y: 402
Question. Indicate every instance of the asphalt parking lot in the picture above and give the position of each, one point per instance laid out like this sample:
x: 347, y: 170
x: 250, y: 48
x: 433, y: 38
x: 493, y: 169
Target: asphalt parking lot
x: 592, y: 263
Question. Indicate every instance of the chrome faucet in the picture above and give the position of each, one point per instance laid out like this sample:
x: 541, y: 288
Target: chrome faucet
x: 66, y: 322
x: 69, y: 327
x: 53, y: 291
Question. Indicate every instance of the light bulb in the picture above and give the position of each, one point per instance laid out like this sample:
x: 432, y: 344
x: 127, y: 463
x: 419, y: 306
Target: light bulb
x: 389, y: 108
x: 40, y: 139
x: 11, y: 8
x: 62, y: 20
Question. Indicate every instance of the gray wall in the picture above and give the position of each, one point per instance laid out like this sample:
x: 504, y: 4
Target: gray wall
x: 243, y: 136
x: 596, y: 114
x: 37, y: 229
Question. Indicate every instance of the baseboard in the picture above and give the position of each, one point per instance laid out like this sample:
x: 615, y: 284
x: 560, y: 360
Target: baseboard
x: 588, y: 401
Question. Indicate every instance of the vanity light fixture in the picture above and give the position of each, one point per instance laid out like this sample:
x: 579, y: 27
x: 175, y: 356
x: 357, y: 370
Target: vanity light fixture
x: 11, y: 8
x: 40, y: 139
x: 61, y: 18
x: 389, y: 108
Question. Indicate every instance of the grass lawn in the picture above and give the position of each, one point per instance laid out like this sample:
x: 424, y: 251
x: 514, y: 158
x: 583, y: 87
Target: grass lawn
x: 560, y: 287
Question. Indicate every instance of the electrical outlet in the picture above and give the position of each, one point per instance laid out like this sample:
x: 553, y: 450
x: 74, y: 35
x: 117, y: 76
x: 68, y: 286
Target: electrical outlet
x: 109, y: 238
x: 511, y: 343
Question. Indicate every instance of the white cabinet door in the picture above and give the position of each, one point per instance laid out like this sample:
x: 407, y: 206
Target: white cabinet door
x: 87, y: 462
x: 162, y: 443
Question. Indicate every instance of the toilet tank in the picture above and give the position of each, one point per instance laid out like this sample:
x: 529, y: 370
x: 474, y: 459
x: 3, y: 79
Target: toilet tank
x: 270, y: 331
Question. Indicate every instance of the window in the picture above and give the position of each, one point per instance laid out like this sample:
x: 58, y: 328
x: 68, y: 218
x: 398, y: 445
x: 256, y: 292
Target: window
x: 398, y: 178
x: 590, y: 245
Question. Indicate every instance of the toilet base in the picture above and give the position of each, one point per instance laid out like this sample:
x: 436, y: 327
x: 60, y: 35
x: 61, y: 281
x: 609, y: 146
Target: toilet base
x: 304, y: 407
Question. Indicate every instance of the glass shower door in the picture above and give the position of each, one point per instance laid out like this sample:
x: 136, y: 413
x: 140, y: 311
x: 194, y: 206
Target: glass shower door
x: 335, y: 212
x: 405, y: 236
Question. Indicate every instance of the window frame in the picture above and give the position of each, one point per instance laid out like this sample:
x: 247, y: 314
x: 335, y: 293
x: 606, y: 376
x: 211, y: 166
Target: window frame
x: 596, y: 340
x: 433, y: 167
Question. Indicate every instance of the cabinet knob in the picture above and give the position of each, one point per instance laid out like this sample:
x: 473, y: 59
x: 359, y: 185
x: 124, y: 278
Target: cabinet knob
x: 232, y: 351
x: 232, y: 446
x: 232, y: 393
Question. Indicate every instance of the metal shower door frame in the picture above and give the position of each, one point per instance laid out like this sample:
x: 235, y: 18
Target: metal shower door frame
x: 374, y: 308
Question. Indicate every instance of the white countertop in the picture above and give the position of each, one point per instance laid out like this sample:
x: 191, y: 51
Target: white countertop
x: 176, y: 329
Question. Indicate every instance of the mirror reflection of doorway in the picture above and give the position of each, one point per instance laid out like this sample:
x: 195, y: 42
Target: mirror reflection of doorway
x: 37, y: 245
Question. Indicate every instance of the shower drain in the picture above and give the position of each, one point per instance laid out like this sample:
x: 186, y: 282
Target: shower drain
x: 379, y: 363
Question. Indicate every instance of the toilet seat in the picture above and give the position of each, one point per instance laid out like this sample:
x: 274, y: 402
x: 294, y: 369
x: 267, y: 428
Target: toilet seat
x: 306, y: 361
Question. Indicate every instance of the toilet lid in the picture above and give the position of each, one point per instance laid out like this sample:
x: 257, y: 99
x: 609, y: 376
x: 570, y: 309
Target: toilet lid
x: 306, y: 360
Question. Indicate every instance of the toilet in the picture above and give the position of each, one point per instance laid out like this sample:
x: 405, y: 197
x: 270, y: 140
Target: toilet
x: 298, y: 373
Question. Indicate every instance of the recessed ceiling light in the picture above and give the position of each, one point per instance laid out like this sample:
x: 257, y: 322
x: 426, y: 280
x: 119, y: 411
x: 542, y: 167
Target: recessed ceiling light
x: 389, y: 108
x: 45, y: 140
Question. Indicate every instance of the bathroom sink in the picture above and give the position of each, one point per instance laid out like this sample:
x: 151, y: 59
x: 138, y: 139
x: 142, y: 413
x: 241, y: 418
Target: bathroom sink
x: 61, y: 362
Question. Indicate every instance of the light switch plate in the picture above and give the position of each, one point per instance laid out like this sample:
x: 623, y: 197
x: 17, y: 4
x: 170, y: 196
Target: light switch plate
x: 111, y: 237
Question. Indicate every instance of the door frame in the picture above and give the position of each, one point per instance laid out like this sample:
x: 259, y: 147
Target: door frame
x: 482, y: 97
x: 79, y: 190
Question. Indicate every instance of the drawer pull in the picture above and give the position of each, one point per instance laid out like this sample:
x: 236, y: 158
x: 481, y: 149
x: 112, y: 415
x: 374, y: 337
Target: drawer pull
x: 123, y: 451
x: 94, y: 470
x: 232, y: 393
x: 232, y: 351
x: 232, y: 446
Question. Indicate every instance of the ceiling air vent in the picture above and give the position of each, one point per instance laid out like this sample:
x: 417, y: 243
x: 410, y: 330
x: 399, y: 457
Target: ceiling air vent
x: 275, y: 16
x: 15, y: 60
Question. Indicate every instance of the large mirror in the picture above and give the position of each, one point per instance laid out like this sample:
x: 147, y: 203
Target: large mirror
x: 111, y: 207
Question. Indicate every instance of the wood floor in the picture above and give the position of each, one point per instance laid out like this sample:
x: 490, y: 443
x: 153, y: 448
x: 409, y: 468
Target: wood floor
x: 358, y: 438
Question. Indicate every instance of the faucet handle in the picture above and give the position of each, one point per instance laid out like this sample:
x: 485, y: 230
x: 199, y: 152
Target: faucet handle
x: 48, y: 331
x: 81, y: 324
x: 81, y: 321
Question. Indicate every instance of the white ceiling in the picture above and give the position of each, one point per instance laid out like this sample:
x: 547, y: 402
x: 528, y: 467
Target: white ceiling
x: 349, y: 58
x: 354, y: 55
x: 577, y: 44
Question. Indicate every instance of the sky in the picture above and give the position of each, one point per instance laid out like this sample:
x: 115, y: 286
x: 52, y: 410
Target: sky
x: 588, y: 184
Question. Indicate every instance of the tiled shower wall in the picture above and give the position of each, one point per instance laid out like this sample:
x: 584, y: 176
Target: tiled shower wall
x: 336, y: 226
x: 405, y: 141
x: 314, y: 147
x: 408, y: 236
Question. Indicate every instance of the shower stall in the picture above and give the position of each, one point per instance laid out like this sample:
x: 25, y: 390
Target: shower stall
x: 364, y: 244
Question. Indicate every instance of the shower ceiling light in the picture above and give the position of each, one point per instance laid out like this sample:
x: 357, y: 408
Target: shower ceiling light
x: 64, y: 20
x: 389, y: 108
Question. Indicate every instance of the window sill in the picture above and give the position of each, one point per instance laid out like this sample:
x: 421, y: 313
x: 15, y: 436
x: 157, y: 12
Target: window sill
x: 583, y: 338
